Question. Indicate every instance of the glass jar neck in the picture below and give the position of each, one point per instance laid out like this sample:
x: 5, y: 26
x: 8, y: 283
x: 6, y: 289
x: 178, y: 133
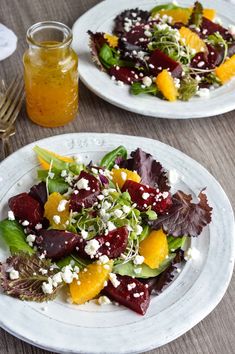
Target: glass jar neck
x: 50, y: 36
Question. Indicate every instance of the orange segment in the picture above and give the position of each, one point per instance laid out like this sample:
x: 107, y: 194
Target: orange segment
x: 45, y: 165
x: 166, y: 85
x: 226, y: 71
x: 51, y: 210
x: 192, y: 40
x: 209, y: 14
x: 121, y: 175
x: 112, y: 40
x: 154, y: 248
x: 90, y: 282
x: 182, y: 14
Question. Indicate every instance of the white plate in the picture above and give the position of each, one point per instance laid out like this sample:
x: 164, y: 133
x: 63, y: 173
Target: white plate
x: 67, y: 328
x: 100, y: 19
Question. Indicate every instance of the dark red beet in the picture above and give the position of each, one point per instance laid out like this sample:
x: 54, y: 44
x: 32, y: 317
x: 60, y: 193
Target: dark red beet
x: 231, y: 49
x: 114, y: 243
x: 111, y: 245
x: 85, y: 198
x: 208, y: 27
x: 211, y: 59
x: 127, y: 75
x: 27, y: 208
x: 137, y: 33
x: 39, y: 192
x: 161, y: 61
x: 56, y: 244
x: 136, y: 299
x: 155, y: 199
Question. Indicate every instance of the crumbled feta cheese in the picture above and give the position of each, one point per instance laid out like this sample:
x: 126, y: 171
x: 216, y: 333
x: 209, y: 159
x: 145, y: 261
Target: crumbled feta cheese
x: 25, y: 223
x: 118, y: 213
x: 43, y: 271
x: 136, y: 295
x: 64, y: 173
x: 68, y: 275
x: 165, y: 195
x: 231, y: 30
x: 57, y: 279
x: 138, y: 229
x: 100, y: 197
x: 62, y: 205
x: 131, y: 286
x: 147, y: 81
x: 203, y: 93
x: 38, y: 227
x: 177, y: 82
x: 147, y: 33
x: 126, y: 209
x: 92, y: 247
x: 110, y: 226
x: 13, y: 274
x: 138, y: 260
x: 83, y: 183
x: 84, y: 234
x: 123, y: 176
x: 51, y: 175
x: 173, y: 176
x: 114, y: 280
x: 200, y: 64
x: 191, y: 253
x: 120, y: 83
x: 104, y: 300
x: 11, y: 215
x: 106, y: 205
x: 138, y: 270
x: 47, y: 288
x: 56, y: 219
x: 103, y: 259
x: 30, y: 239
x: 145, y: 196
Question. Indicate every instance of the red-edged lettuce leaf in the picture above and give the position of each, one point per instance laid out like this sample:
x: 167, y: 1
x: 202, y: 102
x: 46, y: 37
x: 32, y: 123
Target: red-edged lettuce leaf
x: 28, y: 286
x: 134, y: 15
x: 185, y: 218
x: 196, y: 15
x: 151, y: 171
x: 96, y: 42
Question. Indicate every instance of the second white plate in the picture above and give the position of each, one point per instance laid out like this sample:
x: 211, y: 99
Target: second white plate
x: 100, y: 19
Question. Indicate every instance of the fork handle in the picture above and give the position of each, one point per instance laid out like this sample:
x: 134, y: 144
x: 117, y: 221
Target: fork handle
x: 6, y: 150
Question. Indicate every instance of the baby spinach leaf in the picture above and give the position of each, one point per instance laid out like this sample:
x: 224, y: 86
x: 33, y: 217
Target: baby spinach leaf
x: 13, y: 235
x: 137, y: 88
x: 142, y: 271
x: 55, y: 184
x: 158, y: 8
x: 196, y: 15
x: 175, y: 242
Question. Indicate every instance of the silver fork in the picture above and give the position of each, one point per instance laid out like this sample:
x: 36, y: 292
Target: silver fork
x: 10, y: 105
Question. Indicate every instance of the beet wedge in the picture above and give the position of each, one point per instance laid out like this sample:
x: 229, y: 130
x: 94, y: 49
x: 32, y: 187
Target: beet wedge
x: 130, y: 293
x: 26, y: 208
x: 159, y: 61
x: 145, y: 197
x: 85, y: 197
x: 56, y: 244
x: 126, y: 75
x: 111, y: 245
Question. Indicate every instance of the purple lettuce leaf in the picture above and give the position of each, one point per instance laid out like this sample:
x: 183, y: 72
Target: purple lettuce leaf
x: 96, y: 42
x: 134, y: 15
x: 151, y: 171
x: 39, y: 192
x: 185, y: 218
x: 28, y: 286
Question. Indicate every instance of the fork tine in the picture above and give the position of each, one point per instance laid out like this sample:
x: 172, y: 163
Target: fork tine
x: 6, y: 93
x: 9, y: 100
x: 13, y: 104
x: 16, y: 112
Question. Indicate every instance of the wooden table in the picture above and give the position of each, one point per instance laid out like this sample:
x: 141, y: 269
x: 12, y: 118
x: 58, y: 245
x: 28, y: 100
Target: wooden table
x: 210, y: 141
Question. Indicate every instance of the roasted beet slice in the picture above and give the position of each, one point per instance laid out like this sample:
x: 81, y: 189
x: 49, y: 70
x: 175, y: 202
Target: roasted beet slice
x: 84, y: 197
x: 159, y: 61
x: 130, y: 293
x: 208, y: 27
x: 56, y: 244
x: 27, y: 208
x: 208, y: 60
x: 145, y: 196
x: 39, y: 192
x: 113, y: 244
x: 126, y: 75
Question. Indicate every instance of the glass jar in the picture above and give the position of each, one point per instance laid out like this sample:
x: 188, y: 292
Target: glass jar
x: 50, y: 74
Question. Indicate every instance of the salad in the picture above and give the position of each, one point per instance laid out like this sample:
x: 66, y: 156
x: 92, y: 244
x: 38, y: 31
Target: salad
x: 108, y: 232
x: 172, y: 52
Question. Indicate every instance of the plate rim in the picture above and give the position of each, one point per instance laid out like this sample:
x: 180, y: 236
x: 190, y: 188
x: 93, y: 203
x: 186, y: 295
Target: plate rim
x: 135, y: 108
x: 183, y: 155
